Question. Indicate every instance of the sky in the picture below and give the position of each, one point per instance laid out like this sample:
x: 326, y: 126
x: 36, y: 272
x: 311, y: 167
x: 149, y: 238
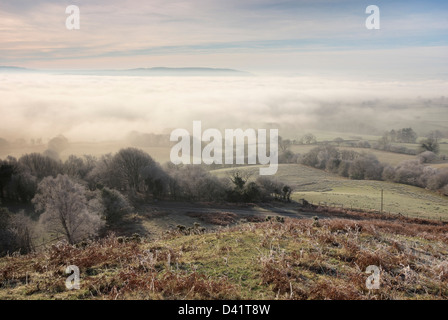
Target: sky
x: 315, y: 64
x: 299, y: 37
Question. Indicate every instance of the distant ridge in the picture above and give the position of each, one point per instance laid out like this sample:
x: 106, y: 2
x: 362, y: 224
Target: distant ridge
x: 12, y: 69
x: 151, y: 72
x: 165, y: 71
x: 188, y: 70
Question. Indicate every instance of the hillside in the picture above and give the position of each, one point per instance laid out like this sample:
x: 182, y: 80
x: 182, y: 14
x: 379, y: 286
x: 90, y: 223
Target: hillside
x: 319, y: 186
x: 294, y: 259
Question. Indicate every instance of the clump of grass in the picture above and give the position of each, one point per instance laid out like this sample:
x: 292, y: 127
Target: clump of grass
x: 275, y: 219
x: 170, y: 285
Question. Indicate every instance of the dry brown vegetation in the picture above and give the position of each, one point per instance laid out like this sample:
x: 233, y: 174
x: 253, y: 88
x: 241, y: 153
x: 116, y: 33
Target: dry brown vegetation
x: 222, y: 218
x: 297, y: 259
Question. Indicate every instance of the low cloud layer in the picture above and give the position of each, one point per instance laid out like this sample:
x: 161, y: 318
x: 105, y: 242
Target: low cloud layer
x: 98, y: 108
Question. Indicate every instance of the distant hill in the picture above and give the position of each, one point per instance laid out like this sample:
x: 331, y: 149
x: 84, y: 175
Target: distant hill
x: 151, y: 72
x: 8, y: 69
x: 165, y: 72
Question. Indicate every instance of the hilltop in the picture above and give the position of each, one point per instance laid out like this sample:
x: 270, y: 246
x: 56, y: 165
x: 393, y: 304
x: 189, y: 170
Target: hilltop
x: 275, y: 259
x: 150, y: 72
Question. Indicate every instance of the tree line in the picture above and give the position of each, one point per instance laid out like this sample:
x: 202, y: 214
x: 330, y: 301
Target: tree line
x: 83, y: 197
x: 365, y: 166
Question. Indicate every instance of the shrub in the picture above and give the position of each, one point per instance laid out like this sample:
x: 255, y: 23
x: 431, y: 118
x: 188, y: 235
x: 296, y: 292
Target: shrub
x: 115, y: 206
x: 363, y: 144
x: 427, y: 157
x: 409, y: 172
x: 365, y: 167
x: 197, y: 184
x: 438, y: 180
x: 388, y: 173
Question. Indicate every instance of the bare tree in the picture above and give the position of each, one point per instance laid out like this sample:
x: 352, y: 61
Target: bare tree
x: 22, y: 228
x: 16, y: 232
x: 39, y: 165
x: 6, y: 236
x: 155, y: 179
x: 58, y: 144
x: 77, y: 167
x: 101, y: 173
x: 7, y: 169
x: 406, y: 135
x: 66, y: 209
x: 384, y: 143
x: 338, y: 141
x: 284, y: 144
x: 128, y: 165
x: 429, y: 144
x: 435, y: 135
x: 309, y: 138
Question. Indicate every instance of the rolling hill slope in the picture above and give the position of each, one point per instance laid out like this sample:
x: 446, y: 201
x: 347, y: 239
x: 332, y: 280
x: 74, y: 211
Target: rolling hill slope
x: 319, y: 186
x: 297, y: 259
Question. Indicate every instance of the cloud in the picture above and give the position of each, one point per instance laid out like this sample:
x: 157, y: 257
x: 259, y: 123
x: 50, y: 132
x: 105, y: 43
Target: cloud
x: 92, y: 108
x: 116, y: 32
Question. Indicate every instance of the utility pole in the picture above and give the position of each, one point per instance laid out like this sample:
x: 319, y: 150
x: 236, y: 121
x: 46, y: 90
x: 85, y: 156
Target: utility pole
x: 382, y: 200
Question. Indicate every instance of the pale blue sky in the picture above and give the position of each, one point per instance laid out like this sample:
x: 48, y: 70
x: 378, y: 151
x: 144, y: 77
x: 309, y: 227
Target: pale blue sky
x: 265, y: 36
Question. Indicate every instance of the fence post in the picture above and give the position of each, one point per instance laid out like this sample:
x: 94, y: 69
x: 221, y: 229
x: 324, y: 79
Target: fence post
x: 382, y: 200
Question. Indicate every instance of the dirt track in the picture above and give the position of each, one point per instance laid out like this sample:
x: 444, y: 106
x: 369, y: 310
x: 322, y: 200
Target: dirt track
x: 157, y: 217
x: 286, y: 210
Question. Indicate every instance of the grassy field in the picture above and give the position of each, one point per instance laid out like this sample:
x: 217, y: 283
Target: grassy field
x: 413, y: 203
x: 330, y: 136
x: 297, y: 259
x: 162, y: 154
x: 415, y: 146
x: 383, y: 156
x: 440, y: 165
x: 319, y: 186
x: 316, y: 185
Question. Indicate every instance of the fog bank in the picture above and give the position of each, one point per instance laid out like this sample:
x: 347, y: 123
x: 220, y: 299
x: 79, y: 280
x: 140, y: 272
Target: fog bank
x: 97, y: 108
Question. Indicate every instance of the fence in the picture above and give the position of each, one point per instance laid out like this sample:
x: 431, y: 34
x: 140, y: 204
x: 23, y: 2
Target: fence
x: 370, y: 210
